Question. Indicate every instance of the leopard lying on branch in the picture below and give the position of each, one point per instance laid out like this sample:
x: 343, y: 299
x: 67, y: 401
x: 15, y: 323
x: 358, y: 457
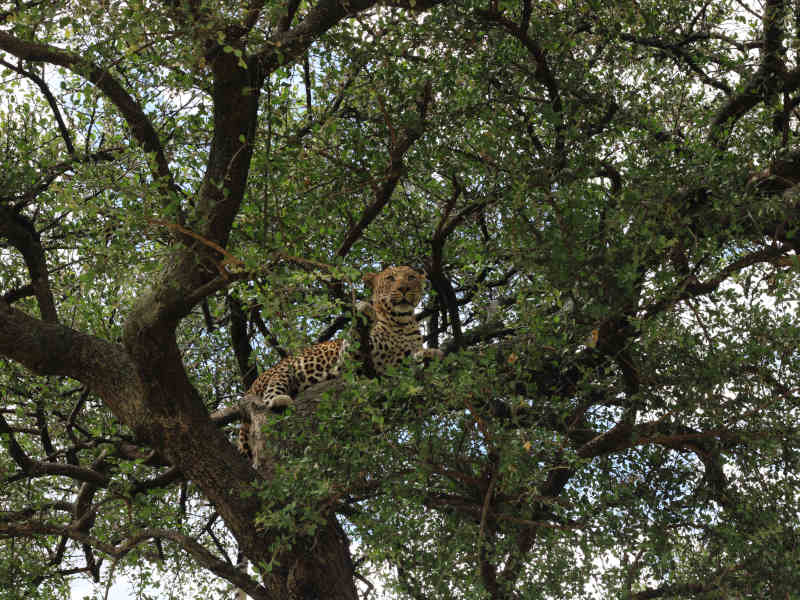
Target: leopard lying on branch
x: 393, y: 335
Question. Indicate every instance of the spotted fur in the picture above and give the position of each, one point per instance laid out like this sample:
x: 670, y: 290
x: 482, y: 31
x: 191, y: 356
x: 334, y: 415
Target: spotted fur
x: 393, y: 335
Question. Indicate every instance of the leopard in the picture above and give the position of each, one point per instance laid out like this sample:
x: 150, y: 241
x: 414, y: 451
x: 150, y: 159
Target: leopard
x: 393, y: 335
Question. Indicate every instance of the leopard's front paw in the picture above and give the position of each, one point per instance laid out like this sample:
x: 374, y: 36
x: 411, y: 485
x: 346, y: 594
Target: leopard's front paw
x: 278, y: 401
x: 425, y: 353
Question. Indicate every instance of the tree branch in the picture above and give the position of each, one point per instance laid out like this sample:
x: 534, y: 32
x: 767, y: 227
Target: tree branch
x: 692, y: 288
x: 678, y: 52
x: 766, y: 81
x: 128, y: 107
x: 52, y: 349
x: 24, y: 237
x: 51, y: 100
x: 33, y: 468
x: 287, y: 45
x: 394, y: 172
x: 17, y: 294
x: 543, y: 73
x: 217, y: 566
x: 240, y: 341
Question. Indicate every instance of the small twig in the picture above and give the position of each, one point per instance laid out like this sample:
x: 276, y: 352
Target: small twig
x: 699, y: 320
x: 387, y: 120
x: 229, y: 258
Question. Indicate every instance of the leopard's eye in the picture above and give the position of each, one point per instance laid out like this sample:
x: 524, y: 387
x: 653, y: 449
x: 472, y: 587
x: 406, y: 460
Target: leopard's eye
x: 390, y: 278
x: 412, y: 277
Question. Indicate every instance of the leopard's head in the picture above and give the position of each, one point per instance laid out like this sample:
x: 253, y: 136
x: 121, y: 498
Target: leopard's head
x: 397, y: 290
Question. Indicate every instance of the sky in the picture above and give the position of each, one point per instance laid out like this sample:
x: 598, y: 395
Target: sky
x: 121, y: 590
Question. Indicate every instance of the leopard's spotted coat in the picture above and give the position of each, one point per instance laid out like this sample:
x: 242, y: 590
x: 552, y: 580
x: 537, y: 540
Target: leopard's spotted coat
x: 393, y: 335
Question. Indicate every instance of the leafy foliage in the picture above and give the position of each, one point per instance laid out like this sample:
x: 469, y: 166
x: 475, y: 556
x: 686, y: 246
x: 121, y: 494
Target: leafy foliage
x: 603, y: 196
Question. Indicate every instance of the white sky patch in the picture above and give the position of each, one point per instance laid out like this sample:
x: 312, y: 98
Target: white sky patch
x: 85, y: 588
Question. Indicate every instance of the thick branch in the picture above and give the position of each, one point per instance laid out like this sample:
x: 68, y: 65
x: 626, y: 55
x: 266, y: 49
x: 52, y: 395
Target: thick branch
x: 24, y: 237
x: 12, y: 296
x: 52, y: 349
x: 240, y: 341
x: 286, y: 20
x: 768, y: 79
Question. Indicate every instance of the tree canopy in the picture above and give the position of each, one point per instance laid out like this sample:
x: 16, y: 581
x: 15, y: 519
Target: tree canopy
x: 603, y: 196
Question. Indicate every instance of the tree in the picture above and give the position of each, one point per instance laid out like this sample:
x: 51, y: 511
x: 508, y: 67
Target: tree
x: 603, y: 197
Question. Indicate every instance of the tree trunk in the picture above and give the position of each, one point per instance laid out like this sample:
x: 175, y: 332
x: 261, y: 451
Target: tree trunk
x: 317, y: 566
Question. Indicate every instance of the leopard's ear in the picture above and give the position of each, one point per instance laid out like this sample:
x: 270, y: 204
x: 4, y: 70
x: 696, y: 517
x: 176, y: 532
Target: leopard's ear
x: 369, y: 279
